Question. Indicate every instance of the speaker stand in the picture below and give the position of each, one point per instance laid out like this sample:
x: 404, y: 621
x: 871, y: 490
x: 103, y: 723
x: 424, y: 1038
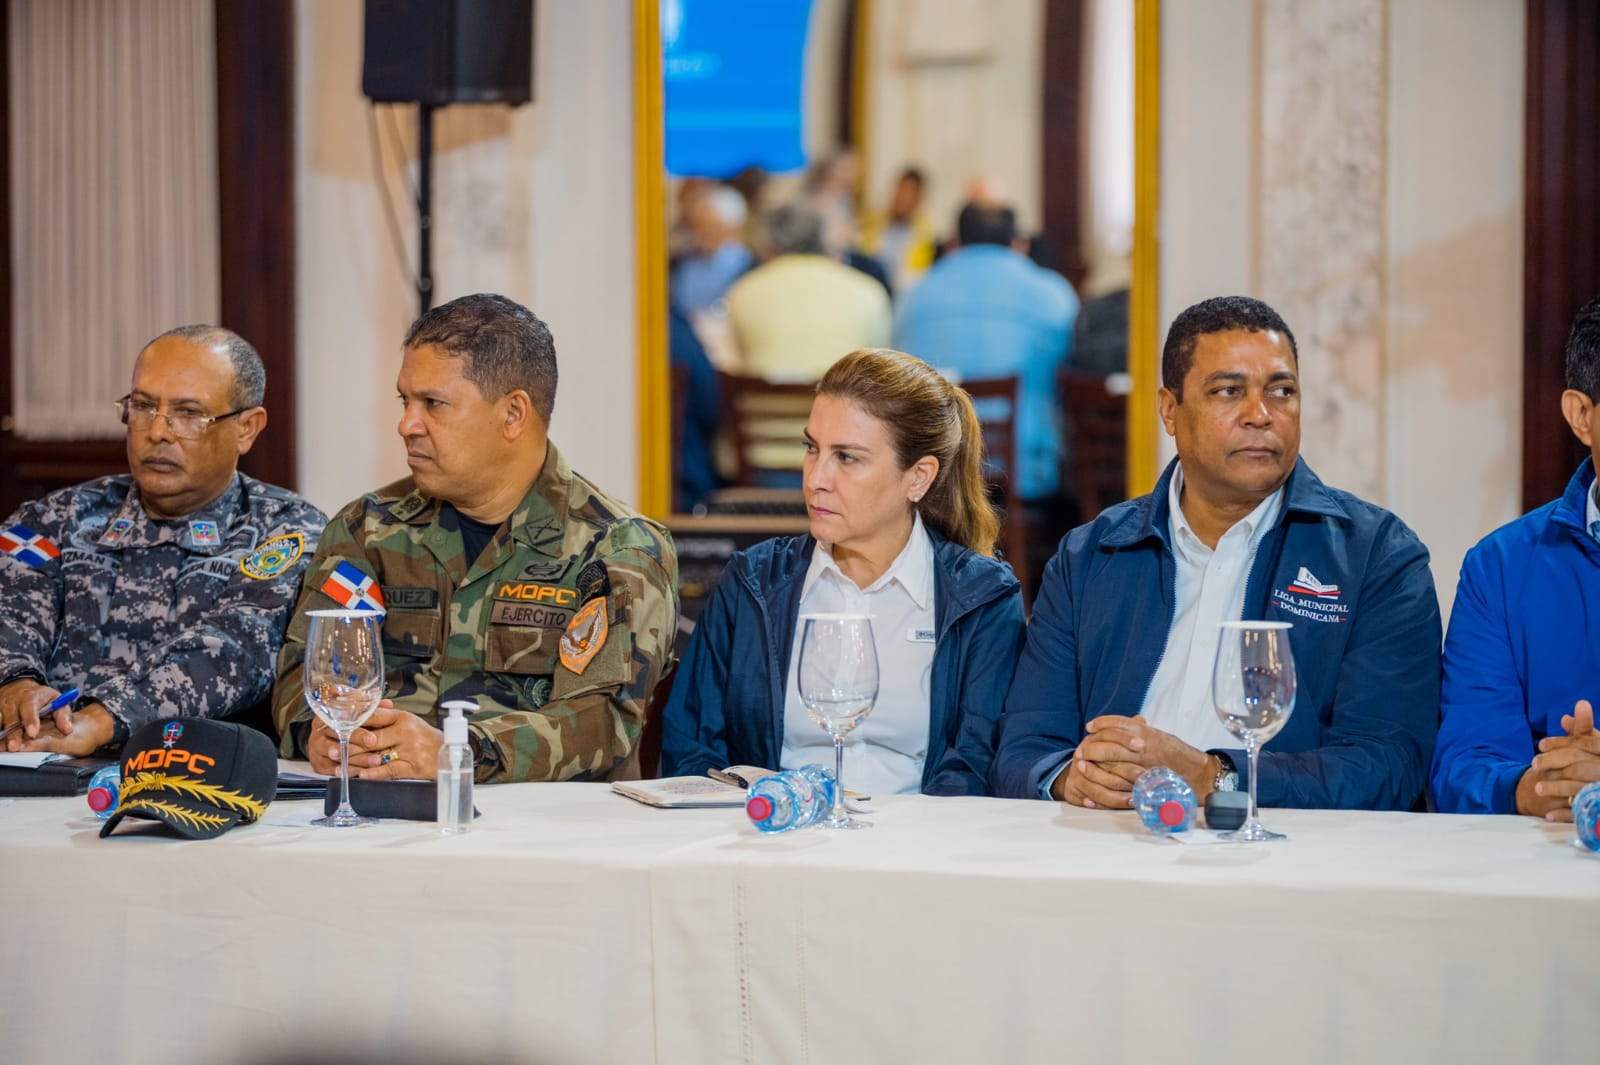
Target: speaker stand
x: 425, y: 206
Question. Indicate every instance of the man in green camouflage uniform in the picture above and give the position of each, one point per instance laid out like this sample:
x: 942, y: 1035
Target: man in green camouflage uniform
x: 503, y: 577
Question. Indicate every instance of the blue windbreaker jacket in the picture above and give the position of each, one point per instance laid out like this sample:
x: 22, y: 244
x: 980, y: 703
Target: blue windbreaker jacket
x: 1366, y: 648
x: 1522, y: 650
x: 727, y: 702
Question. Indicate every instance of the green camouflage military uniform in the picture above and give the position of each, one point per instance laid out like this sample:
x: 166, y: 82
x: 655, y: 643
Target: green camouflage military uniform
x: 492, y: 630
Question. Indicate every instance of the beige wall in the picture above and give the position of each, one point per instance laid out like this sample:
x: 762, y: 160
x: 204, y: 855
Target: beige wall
x: 954, y: 88
x: 1412, y: 354
x: 1453, y: 424
x: 535, y: 203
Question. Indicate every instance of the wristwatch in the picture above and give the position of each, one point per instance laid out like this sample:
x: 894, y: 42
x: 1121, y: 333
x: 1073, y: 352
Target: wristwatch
x: 1227, y: 778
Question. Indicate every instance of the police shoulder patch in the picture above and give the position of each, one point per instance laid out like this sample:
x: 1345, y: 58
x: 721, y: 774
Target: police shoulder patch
x: 272, y: 557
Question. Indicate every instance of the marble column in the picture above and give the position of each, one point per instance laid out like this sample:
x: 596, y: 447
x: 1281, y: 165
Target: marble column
x: 1320, y: 171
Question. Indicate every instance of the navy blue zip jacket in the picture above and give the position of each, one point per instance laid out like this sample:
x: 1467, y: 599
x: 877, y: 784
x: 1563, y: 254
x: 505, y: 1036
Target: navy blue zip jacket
x: 1366, y: 655
x: 1522, y: 650
x: 727, y: 702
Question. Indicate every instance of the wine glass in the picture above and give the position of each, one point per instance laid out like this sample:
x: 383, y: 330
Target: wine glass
x: 838, y: 685
x: 343, y: 674
x: 1252, y: 687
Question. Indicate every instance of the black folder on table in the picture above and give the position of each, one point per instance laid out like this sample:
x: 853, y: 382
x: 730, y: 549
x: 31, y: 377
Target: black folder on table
x: 58, y: 777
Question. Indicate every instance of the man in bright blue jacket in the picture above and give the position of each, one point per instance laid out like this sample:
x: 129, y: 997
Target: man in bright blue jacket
x: 1116, y: 673
x: 1522, y: 660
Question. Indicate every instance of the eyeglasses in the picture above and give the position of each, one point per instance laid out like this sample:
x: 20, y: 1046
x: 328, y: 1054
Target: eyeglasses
x: 138, y: 415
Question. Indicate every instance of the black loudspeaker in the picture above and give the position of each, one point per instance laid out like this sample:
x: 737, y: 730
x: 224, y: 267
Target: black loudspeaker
x: 448, y: 51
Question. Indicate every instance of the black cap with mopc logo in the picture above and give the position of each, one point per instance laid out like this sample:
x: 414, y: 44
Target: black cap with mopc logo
x: 197, y: 777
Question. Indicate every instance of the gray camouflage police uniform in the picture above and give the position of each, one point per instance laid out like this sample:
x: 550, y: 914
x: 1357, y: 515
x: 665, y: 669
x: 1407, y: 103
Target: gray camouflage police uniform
x: 152, y: 618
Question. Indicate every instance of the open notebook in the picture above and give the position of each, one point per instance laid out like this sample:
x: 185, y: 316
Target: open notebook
x: 719, y: 787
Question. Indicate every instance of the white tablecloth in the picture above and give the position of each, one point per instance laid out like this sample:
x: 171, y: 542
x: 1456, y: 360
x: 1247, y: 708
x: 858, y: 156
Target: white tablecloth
x: 574, y: 925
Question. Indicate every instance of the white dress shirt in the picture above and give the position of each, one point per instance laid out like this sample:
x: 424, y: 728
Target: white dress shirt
x: 886, y: 752
x: 1210, y: 590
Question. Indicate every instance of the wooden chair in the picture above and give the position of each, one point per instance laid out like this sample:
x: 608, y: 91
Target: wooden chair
x: 997, y: 400
x: 650, y: 735
x: 1098, y: 432
x: 764, y: 420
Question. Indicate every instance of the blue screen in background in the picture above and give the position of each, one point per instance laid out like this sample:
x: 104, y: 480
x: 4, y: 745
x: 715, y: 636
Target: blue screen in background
x: 735, y: 79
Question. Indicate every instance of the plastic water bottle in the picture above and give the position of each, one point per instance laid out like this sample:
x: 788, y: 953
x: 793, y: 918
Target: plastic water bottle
x: 105, y: 791
x: 454, y: 786
x: 791, y: 799
x: 1586, y: 816
x: 822, y: 785
x: 1165, y: 801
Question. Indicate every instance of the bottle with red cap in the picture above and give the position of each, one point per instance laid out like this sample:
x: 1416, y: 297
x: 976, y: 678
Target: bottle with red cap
x: 1164, y: 800
x: 1586, y: 816
x: 791, y: 799
x: 104, y: 789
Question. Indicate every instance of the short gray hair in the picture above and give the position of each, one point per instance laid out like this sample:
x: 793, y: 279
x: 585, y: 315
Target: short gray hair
x: 249, y: 375
x: 795, y: 229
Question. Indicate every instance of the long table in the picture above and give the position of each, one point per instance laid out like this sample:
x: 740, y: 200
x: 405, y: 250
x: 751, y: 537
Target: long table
x: 574, y: 925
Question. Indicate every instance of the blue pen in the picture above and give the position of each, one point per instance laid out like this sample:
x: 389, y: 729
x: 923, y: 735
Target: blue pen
x: 66, y: 698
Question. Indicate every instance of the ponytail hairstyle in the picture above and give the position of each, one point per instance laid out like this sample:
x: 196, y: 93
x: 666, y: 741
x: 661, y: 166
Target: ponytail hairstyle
x: 925, y: 415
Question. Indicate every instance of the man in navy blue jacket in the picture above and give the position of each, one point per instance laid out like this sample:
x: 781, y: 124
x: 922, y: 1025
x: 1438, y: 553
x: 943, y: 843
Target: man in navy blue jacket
x: 1523, y: 660
x: 1116, y: 674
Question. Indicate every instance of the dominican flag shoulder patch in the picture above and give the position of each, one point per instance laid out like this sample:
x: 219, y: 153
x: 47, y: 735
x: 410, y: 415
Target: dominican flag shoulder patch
x: 353, y: 590
x: 25, y: 545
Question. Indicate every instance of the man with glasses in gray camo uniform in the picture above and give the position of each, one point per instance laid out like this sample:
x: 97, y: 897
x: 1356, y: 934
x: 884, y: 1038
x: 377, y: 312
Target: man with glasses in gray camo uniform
x: 162, y: 592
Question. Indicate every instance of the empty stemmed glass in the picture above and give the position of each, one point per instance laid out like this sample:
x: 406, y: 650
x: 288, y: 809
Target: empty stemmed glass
x: 1252, y: 687
x: 838, y: 685
x: 343, y: 675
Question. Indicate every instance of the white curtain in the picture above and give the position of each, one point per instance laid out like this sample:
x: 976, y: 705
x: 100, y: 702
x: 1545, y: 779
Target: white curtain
x: 113, y: 198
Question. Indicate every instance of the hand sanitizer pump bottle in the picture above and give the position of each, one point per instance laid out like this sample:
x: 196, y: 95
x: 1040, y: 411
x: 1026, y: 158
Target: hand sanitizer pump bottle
x: 455, y: 770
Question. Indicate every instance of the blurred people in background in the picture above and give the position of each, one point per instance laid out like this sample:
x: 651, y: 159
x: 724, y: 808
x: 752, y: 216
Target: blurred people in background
x: 752, y: 183
x: 901, y: 238
x: 716, y: 256
x: 680, y: 238
x: 1100, y: 336
x: 985, y: 310
x: 793, y: 315
x: 831, y: 189
x: 697, y: 414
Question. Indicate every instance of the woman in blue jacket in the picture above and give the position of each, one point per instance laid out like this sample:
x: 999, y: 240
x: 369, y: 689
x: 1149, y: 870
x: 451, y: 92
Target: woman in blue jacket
x: 901, y: 525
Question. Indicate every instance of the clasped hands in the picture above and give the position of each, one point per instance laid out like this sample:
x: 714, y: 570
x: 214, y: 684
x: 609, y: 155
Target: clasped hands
x: 64, y: 732
x: 391, y: 745
x: 1101, y: 771
x: 1562, y: 767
